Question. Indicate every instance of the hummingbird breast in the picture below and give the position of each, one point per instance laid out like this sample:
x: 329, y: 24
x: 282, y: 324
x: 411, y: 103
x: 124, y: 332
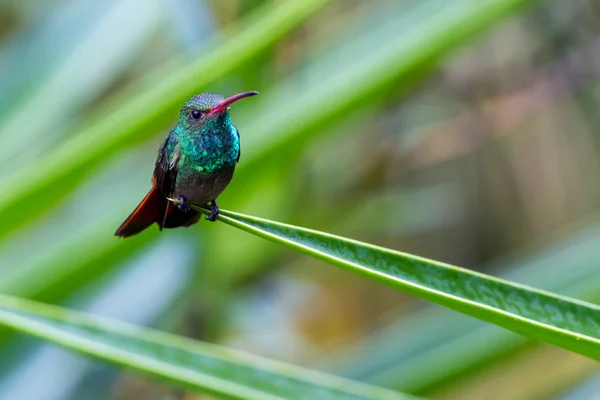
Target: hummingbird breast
x: 206, y: 164
x: 201, y: 188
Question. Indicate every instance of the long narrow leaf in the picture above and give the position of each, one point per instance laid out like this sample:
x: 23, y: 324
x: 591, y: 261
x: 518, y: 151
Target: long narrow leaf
x: 182, y: 361
x: 565, y: 322
x: 405, y: 355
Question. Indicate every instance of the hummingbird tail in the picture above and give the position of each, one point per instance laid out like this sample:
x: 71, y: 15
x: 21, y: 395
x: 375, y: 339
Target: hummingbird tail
x: 149, y: 211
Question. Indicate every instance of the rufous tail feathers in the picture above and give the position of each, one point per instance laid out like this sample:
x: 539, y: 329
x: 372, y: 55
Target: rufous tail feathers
x: 155, y: 208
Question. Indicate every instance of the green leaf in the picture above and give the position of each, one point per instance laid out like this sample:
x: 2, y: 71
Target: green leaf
x: 187, y: 363
x: 409, y: 355
x: 109, y: 295
x: 565, y: 322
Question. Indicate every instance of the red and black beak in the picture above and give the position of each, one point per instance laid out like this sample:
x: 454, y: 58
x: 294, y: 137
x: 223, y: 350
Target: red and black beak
x: 225, y: 103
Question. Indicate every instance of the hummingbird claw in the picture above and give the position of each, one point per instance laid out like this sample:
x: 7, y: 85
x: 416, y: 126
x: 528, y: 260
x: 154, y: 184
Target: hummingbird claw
x: 214, y: 212
x: 183, y: 205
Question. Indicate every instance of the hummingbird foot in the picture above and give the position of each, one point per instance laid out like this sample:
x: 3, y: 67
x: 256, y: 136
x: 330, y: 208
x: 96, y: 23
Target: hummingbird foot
x: 214, y: 212
x: 183, y: 205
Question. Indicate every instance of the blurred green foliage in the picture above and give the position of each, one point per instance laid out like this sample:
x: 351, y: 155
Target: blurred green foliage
x: 191, y: 364
x: 469, y: 125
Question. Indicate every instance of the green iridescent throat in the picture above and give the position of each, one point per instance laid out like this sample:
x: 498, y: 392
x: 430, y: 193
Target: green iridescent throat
x: 210, y: 147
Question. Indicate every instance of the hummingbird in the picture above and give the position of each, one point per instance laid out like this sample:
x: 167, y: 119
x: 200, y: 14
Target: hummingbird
x: 195, y: 164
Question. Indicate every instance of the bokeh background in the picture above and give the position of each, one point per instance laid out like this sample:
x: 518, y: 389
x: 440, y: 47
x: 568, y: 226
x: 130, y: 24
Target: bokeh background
x: 427, y: 126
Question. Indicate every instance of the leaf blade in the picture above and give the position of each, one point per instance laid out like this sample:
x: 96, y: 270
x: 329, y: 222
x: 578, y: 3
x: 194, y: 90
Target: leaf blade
x: 191, y: 364
x: 565, y: 322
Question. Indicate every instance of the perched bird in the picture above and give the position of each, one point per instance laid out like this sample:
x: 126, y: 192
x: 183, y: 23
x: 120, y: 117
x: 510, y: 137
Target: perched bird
x: 194, y: 165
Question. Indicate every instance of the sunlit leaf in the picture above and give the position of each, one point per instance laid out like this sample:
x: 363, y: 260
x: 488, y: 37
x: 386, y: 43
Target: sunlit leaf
x: 405, y: 354
x: 183, y: 362
x: 565, y: 322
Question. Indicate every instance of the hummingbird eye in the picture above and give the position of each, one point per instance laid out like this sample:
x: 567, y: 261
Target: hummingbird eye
x: 196, y: 114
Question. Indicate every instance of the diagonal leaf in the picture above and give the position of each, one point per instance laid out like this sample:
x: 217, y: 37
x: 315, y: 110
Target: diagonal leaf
x: 182, y: 361
x: 565, y: 322
x: 405, y: 355
x: 111, y: 296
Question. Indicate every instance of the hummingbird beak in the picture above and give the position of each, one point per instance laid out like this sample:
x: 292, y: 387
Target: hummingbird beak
x: 224, y: 104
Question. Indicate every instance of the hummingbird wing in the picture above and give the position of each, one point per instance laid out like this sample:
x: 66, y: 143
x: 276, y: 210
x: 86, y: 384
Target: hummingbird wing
x: 165, y: 175
x: 165, y: 169
x: 155, y: 205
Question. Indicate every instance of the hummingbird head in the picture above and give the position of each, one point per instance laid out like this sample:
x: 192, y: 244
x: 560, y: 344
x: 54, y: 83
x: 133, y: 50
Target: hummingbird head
x: 208, y: 107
